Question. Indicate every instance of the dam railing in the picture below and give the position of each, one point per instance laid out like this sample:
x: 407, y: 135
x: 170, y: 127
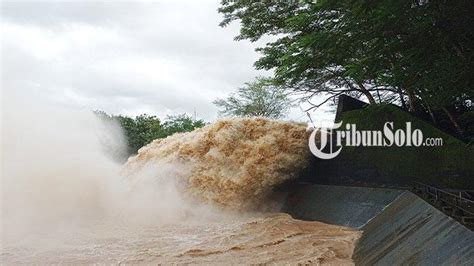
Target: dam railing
x: 454, y: 203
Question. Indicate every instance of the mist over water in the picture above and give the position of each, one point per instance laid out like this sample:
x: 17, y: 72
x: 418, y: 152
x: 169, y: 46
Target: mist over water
x: 189, y: 198
x: 58, y: 170
x: 54, y: 169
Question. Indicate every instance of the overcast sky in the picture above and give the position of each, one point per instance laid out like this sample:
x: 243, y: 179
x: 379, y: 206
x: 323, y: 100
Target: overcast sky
x: 125, y: 57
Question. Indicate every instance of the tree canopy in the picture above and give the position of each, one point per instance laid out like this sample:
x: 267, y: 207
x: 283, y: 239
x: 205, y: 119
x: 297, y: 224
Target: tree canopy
x: 181, y: 123
x: 257, y: 98
x: 420, y: 51
x: 143, y: 129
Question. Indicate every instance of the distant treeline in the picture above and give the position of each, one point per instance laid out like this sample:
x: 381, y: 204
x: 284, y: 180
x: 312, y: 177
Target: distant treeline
x: 143, y: 129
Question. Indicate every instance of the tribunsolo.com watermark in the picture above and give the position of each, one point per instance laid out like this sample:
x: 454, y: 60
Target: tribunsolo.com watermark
x: 331, y: 140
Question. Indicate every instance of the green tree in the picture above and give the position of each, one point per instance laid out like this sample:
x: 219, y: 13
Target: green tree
x: 258, y: 98
x: 143, y: 129
x: 420, y: 50
x: 181, y: 123
x: 307, y: 54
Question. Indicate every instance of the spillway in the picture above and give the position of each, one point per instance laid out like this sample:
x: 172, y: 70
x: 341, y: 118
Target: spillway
x: 399, y: 228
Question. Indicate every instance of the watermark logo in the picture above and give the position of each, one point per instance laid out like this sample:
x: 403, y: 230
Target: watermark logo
x: 331, y: 139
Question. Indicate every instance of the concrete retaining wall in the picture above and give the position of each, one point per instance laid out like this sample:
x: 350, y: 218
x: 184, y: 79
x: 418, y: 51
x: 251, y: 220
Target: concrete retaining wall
x: 411, y: 231
x: 348, y: 206
x: 399, y: 228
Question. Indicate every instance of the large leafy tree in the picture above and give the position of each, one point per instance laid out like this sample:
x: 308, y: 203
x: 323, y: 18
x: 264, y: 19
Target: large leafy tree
x: 181, y: 123
x: 421, y: 50
x: 308, y: 54
x: 141, y: 130
x: 257, y: 98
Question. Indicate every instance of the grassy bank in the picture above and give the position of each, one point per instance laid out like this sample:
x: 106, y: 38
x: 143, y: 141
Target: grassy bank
x: 450, y: 165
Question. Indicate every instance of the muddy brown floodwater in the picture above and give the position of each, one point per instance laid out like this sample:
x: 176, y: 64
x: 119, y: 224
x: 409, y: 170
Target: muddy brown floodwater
x: 203, y: 197
x: 268, y: 239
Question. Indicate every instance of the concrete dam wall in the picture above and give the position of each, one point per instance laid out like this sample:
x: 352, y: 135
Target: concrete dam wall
x: 398, y: 226
x: 341, y: 205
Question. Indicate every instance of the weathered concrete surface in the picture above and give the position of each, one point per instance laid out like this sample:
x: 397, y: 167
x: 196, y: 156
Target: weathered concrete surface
x: 411, y: 231
x: 341, y: 205
x: 399, y: 228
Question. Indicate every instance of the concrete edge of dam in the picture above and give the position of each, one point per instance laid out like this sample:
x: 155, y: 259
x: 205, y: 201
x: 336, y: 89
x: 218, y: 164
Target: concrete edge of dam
x: 398, y: 226
x: 341, y: 205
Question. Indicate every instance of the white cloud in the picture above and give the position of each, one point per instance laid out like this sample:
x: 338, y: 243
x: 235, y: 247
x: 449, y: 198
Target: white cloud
x: 158, y: 57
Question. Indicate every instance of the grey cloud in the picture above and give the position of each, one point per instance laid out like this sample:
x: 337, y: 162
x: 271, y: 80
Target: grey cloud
x: 125, y: 57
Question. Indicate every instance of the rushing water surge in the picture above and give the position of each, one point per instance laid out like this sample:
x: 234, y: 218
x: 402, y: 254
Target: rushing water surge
x: 232, y: 163
x: 198, y: 197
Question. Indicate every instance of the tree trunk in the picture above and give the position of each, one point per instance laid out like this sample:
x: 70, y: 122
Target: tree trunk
x: 366, y: 93
x: 453, y: 121
x: 433, y: 118
x: 411, y: 101
x: 400, y: 93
